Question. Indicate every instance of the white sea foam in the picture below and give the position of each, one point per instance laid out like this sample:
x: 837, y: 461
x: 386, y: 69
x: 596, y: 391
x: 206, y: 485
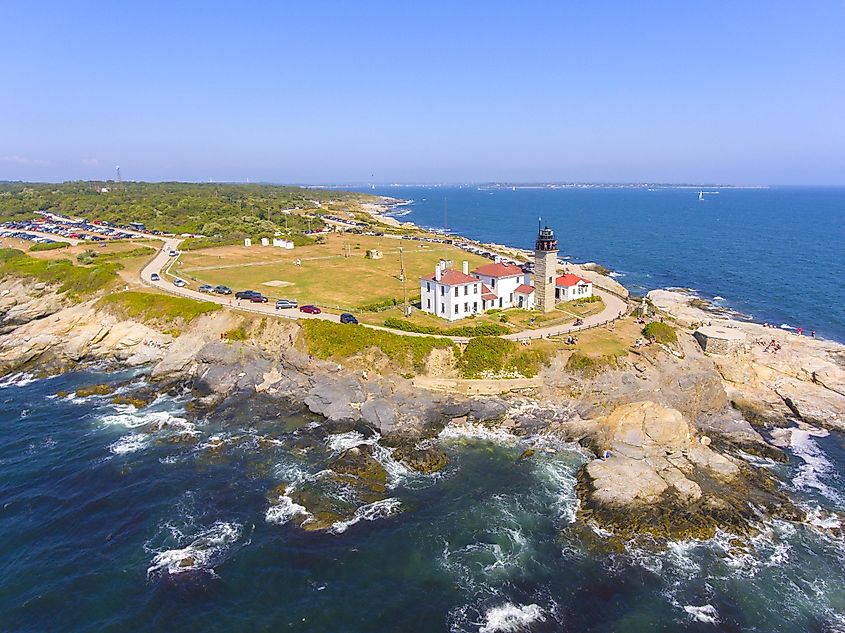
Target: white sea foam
x: 816, y: 469
x: 344, y: 441
x: 284, y: 510
x: 204, y: 550
x: 18, y: 379
x: 706, y: 613
x: 129, y: 444
x: 475, y: 431
x: 509, y: 618
x: 370, y: 512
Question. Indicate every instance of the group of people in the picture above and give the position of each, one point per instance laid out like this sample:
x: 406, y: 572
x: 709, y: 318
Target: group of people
x: 571, y: 340
x: 152, y: 343
x: 772, y: 346
x: 642, y: 342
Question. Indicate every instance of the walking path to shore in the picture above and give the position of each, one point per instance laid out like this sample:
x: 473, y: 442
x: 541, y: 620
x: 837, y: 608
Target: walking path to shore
x: 614, y: 306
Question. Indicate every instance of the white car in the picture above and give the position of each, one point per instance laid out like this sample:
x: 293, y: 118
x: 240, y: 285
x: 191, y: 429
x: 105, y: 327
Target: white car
x: 180, y: 283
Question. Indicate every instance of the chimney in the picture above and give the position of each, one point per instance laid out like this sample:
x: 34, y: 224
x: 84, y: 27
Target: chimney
x: 438, y: 272
x: 466, y: 268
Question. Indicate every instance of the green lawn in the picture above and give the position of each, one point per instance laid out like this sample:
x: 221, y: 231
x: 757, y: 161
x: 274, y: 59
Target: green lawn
x: 326, y: 277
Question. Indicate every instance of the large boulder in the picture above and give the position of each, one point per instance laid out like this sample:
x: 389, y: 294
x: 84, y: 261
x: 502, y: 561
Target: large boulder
x: 657, y: 475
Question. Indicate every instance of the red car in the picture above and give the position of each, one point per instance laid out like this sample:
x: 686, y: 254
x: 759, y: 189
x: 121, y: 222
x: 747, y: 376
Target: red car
x: 257, y: 299
x: 310, y: 309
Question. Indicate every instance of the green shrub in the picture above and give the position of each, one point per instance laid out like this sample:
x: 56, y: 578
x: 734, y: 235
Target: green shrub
x: 529, y: 362
x: 50, y: 246
x: 326, y: 339
x: 590, y: 299
x: 485, y: 329
x: 154, y: 307
x: 485, y: 354
x: 236, y: 334
x: 661, y: 332
x: 72, y: 280
x: 493, y: 355
x: 588, y: 365
x: 197, y: 243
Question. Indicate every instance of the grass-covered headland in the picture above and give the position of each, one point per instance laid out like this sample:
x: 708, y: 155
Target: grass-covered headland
x: 75, y: 281
x: 326, y: 339
x: 155, y: 308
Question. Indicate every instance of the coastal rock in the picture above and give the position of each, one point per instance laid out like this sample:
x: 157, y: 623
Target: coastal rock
x: 424, y: 460
x: 380, y: 414
x: 659, y: 477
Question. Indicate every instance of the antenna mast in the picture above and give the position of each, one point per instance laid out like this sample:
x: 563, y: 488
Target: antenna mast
x: 402, y: 277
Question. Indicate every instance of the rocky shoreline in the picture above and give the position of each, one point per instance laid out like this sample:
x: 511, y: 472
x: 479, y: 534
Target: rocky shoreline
x: 670, y: 428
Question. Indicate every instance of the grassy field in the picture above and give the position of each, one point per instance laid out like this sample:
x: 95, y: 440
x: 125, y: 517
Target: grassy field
x: 326, y: 277
x: 156, y: 308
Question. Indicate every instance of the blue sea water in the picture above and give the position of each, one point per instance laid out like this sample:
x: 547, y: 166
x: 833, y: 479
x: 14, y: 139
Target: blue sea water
x: 115, y: 519
x: 776, y: 254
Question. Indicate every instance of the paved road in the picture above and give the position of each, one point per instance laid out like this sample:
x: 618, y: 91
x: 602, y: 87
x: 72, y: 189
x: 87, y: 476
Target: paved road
x: 162, y: 261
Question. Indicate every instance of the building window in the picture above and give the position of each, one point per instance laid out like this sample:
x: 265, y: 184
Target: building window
x: 442, y: 308
x: 511, y: 297
x: 475, y: 289
x: 466, y: 307
x: 466, y: 290
x: 492, y: 282
x: 428, y: 286
x: 456, y: 308
x: 475, y: 306
x: 500, y: 302
x: 428, y: 304
x: 442, y: 291
x: 550, y: 280
x: 456, y: 291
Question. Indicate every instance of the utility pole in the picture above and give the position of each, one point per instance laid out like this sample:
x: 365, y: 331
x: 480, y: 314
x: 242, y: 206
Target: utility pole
x: 405, y: 309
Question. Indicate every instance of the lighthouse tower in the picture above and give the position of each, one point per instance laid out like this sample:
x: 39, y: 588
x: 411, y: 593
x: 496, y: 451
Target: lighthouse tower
x: 545, y: 270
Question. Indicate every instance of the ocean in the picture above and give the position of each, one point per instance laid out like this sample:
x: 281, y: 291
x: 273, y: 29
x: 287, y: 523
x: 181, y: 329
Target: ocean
x: 115, y: 519
x: 774, y: 254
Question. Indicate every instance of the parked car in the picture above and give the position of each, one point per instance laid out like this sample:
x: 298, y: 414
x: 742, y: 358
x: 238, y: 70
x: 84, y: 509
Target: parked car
x: 173, y: 253
x: 257, y: 298
x: 348, y: 318
x: 245, y: 294
x: 309, y: 309
x: 155, y: 277
x: 206, y: 288
x: 223, y: 290
x: 285, y: 304
x: 180, y: 283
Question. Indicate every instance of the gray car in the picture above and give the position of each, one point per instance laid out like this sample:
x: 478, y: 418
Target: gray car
x: 285, y: 304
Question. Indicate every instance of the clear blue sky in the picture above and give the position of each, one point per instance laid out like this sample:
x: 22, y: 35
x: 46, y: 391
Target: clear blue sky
x: 693, y: 91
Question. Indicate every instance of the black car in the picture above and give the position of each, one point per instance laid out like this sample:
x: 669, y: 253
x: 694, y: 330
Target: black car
x: 223, y: 290
x: 246, y: 294
x: 348, y: 318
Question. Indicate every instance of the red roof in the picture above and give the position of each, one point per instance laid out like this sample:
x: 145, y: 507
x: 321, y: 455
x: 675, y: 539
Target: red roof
x: 498, y: 270
x: 570, y: 280
x: 524, y: 289
x: 487, y: 294
x: 452, y: 278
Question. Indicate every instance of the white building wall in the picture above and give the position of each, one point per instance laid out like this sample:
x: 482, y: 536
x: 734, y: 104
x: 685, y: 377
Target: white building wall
x: 579, y: 291
x: 440, y: 300
x: 504, y: 288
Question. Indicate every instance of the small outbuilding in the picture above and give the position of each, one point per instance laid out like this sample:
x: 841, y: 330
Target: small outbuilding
x: 374, y: 253
x: 719, y: 339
